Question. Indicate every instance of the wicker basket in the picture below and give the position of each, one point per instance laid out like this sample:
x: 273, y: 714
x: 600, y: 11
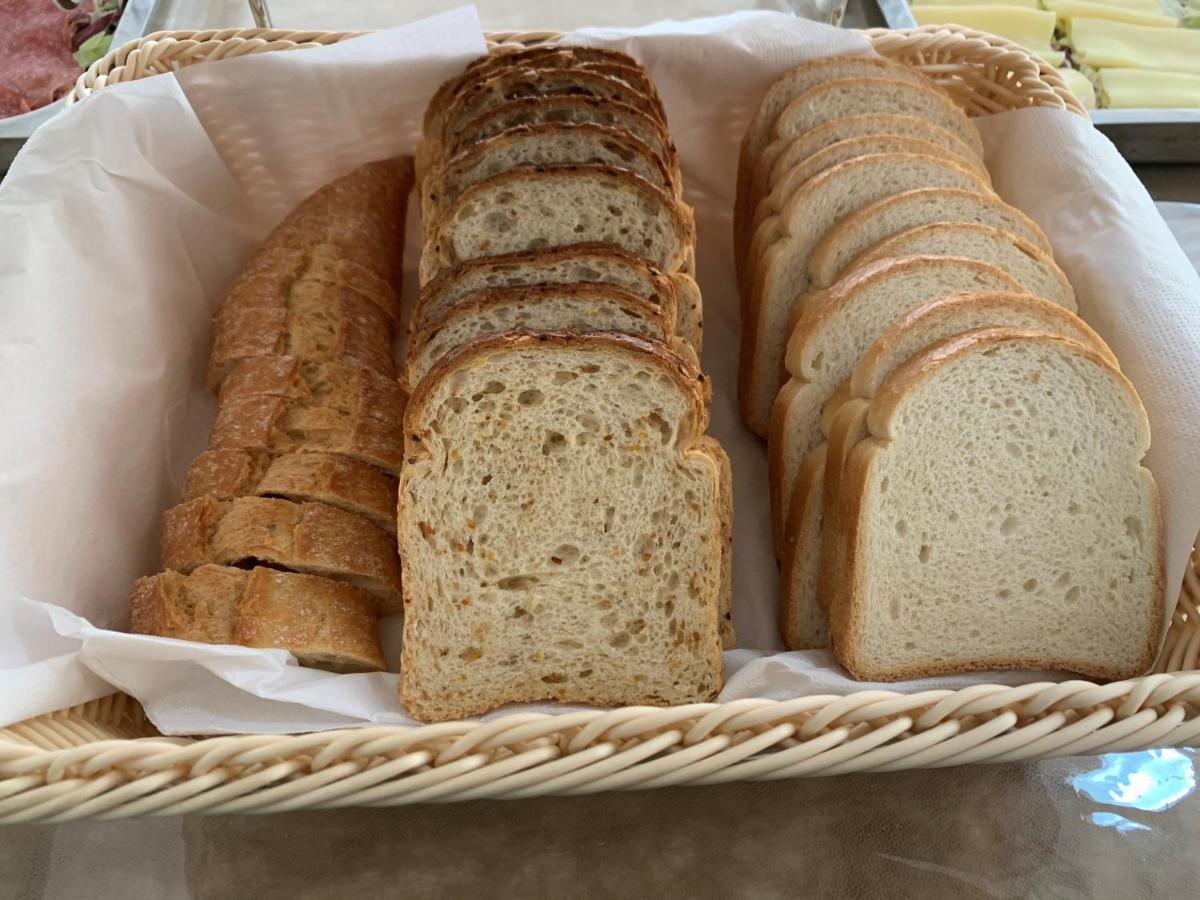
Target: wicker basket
x: 104, y: 759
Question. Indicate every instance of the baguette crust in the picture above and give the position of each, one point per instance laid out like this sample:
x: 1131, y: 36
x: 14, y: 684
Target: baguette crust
x: 844, y: 575
x: 310, y: 538
x: 323, y: 623
x: 329, y: 478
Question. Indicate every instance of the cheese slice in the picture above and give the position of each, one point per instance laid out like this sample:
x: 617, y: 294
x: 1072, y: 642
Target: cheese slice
x: 1102, y: 44
x: 1148, y: 89
x: 1081, y: 86
x: 1070, y: 9
x: 1033, y: 29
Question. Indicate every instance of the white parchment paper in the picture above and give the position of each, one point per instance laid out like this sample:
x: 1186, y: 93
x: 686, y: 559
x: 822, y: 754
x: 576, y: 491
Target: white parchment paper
x: 123, y: 220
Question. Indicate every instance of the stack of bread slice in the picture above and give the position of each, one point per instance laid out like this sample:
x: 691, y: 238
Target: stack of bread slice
x: 881, y: 273
x: 564, y: 521
x: 285, y: 533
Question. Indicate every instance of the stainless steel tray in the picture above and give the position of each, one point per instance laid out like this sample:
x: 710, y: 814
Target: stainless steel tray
x: 14, y: 130
x: 1142, y: 135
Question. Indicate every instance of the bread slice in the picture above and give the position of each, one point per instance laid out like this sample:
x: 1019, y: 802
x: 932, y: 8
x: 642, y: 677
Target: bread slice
x: 310, y: 538
x: 831, y: 334
x: 545, y: 307
x: 713, y: 448
x: 582, y: 263
x: 863, y: 229
x: 323, y: 623
x: 529, y: 209
x: 1033, y: 267
x: 568, y: 109
x: 770, y: 204
x: 562, y: 528
x: 801, y: 616
x: 306, y: 319
x: 358, y: 218
x: 284, y: 425
x: 782, y: 273
x: 328, y: 478
x: 549, y: 144
x: 787, y: 88
x: 1031, y: 538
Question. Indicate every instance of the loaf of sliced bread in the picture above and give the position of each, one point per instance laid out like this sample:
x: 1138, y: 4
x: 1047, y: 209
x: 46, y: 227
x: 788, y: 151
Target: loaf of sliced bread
x: 545, y: 307
x: 771, y: 205
x: 782, y: 272
x: 323, y: 623
x: 1029, y: 264
x: 800, y: 608
x: 831, y: 333
x: 787, y: 88
x: 530, y: 209
x: 562, y: 528
x: 863, y: 229
x: 550, y: 144
x: 581, y: 263
x: 311, y: 538
x: 340, y: 481
x: 1022, y: 532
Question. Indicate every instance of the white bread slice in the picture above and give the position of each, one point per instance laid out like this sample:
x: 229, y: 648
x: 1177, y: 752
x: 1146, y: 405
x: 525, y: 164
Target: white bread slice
x: 830, y: 335
x: 787, y: 88
x: 1033, y: 267
x: 861, y: 230
x: 541, y: 145
x: 546, y: 307
x: 785, y: 189
x: 562, y: 529
x: 323, y: 623
x: 567, y: 109
x: 802, y: 617
x: 530, y: 209
x: 583, y: 263
x: 1031, y: 538
x: 782, y: 273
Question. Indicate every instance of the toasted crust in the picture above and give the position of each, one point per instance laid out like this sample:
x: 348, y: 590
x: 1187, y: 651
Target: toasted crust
x: 659, y: 320
x: 311, y: 538
x: 323, y: 623
x: 329, y: 478
x: 845, y: 581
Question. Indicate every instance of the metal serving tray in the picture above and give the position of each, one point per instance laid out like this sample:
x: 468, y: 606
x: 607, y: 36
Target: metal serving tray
x: 1142, y: 135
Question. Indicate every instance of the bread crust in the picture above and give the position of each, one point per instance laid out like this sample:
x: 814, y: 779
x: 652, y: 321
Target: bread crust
x: 310, y: 538
x: 323, y: 623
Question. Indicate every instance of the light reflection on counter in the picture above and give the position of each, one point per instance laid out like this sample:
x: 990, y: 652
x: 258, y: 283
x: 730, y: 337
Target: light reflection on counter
x: 1148, y: 781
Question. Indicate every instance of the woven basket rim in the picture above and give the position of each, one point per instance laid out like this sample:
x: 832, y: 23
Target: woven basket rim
x: 104, y: 759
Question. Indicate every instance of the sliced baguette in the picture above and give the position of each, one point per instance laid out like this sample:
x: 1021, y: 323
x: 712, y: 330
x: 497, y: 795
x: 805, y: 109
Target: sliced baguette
x: 528, y: 209
x: 842, y: 418
x: 549, y: 144
x: 782, y: 273
x: 323, y: 623
x: 861, y: 230
x: 548, y: 553
x: 310, y: 538
x: 581, y: 263
x: 1029, y: 264
x: 547, y: 307
x: 328, y: 478
x: 953, y: 557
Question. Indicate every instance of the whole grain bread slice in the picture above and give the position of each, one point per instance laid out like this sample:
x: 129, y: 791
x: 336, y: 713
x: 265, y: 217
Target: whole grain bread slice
x: 956, y: 558
x: 569, y: 308
x: 861, y: 230
x: 816, y: 488
x: 580, y: 263
x: 562, y: 528
x: 310, y: 538
x: 329, y: 478
x: 323, y: 623
x: 528, y: 209
x: 782, y: 273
